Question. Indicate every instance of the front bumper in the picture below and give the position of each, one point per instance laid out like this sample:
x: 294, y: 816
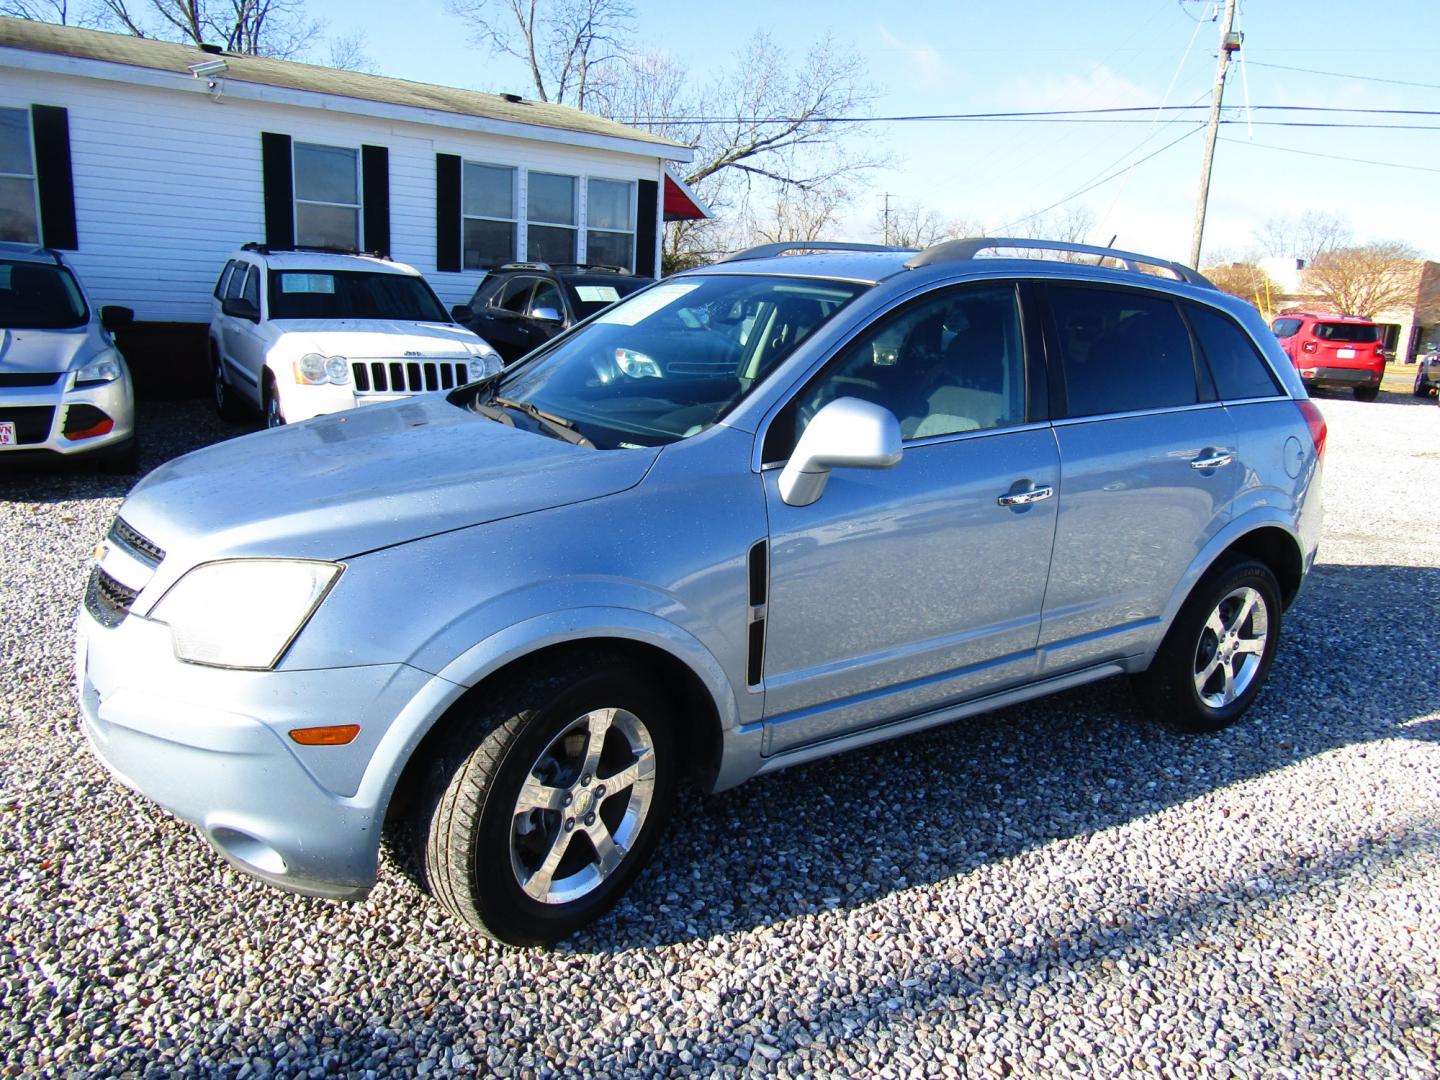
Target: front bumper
x: 211, y: 746
x: 41, y: 414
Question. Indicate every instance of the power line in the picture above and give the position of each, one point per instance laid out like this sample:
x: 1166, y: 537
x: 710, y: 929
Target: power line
x: 1333, y: 157
x: 1346, y: 75
x: 1033, y: 115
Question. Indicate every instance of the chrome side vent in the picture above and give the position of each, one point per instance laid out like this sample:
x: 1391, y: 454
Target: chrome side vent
x: 145, y: 550
x: 758, y: 569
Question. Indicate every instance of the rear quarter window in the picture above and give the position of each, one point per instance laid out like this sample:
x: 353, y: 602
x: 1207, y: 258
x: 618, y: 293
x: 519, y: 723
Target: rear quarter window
x: 1285, y: 327
x: 1240, y: 371
x: 225, y: 273
x: 1122, y: 351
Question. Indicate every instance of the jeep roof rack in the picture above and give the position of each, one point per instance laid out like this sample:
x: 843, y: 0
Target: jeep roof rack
x: 963, y: 250
x: 317, y: 249
x: 543, y: 266
x: 766, y: 251
x: 604, y: 268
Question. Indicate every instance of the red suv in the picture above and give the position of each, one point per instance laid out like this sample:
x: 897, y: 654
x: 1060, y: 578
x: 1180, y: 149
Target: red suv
x: 1334, y: 350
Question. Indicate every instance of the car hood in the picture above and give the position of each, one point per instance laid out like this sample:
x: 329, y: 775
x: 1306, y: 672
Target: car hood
x: 45, y: 350
x: 363, y: 339
x: 369, y: 478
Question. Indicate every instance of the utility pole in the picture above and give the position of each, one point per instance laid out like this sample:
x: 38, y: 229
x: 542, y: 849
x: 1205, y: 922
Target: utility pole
x: 885, y: 217
x: 1229, y: 43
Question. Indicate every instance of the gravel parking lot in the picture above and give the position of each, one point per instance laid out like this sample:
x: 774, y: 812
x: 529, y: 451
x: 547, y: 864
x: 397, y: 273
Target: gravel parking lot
x: 1056, y: 889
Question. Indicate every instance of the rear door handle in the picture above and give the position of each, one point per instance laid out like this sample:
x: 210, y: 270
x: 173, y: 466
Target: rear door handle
x: 1215, y: 461
x: 1025, y: 498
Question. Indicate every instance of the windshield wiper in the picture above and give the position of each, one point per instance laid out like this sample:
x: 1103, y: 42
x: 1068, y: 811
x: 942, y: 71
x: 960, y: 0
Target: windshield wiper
x: 490, y: 412
x: 555, y: 425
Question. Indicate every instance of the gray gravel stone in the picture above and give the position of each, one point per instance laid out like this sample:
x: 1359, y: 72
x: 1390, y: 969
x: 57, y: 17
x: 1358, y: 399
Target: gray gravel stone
x: 1054, y: 890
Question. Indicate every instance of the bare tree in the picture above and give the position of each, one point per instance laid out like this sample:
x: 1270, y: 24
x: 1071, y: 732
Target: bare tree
x: 348, y: 52
x: 1071, y: 226
x: 572, y: 48
x: 912, y: 225
x: 1245, y: 280
x: 260, y: 27
x: 799, y: 214
x: 51, y: 11
x: 1306, y: 236
x: 1367, y: 279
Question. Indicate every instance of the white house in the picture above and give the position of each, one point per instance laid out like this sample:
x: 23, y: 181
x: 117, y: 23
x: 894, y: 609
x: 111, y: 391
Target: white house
x: 146, y: 162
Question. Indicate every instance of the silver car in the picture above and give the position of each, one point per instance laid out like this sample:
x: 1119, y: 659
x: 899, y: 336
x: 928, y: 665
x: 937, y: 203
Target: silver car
x: 751, y: 516
x: 64, y: 387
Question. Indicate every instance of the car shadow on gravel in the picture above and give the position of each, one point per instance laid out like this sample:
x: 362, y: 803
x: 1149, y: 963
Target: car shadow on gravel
x: 837, y: 834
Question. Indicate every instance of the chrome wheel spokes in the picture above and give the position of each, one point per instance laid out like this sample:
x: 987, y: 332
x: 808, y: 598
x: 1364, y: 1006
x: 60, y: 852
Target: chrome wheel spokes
x: 582, y: 805
x: 1231, y: 645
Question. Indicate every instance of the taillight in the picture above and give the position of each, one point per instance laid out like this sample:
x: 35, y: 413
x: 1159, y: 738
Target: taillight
x: 1315, y: 422
x: 1309, y: 346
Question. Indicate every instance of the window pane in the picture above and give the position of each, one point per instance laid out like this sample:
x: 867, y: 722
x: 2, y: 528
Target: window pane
x: 326, y: 226
x: 944, y: 365
x: 1239, y: 370
x: 252, y: 287
x: 548, y: 244
x: 610, y: 249
x: 552, y: 199
x: 1122, y: 351
x: 489, y: 191
x: 488, y: 243
x: 15, y: 142
x: 609, y: 206
x: 236, y: 281
x: 17, y: 211
x: 547, y: 295
x: 516, y: 296
x: 1286, y: 327
x: 325, y: 174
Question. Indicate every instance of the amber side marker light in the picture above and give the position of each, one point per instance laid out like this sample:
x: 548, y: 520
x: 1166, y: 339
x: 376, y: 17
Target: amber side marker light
x: 338, y: 735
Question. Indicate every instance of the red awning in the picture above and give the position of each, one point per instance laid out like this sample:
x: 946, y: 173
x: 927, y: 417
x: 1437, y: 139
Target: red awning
x: 681, y: 204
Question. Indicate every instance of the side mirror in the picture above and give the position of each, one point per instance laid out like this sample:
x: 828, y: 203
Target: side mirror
x: 113, y: 317
x: 237, y: 307
x: 846, y: 434
x: 546, y: 314
x: 462, y: 313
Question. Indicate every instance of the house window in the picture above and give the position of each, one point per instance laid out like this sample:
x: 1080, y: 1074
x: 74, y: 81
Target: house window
x: 552, y: 218
x: 19, y: 217
x: 610, y: 224
x: 327, y: 197
x: 489, y: 220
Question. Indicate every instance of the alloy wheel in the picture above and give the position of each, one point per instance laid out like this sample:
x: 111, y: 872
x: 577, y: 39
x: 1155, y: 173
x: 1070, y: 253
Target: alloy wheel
x: 1231, y: 647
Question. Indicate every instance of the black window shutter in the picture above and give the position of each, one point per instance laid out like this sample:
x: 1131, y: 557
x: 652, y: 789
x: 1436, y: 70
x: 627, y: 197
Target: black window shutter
x: 647, y: 215
x: 447, y: 212
x: 375, y: 178
x: 279, y: 190
x: 55, y: 179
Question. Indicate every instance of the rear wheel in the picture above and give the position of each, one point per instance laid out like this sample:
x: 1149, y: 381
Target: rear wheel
x: 227, y: 404
x: 1215, y: 658
x: 1367, y: 393
x: 1420, y: 389
x: 542, y: 812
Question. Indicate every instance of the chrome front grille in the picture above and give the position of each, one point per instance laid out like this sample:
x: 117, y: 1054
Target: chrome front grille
x: 107, y: 600
x: 147, y: 551
x: 408, y: 376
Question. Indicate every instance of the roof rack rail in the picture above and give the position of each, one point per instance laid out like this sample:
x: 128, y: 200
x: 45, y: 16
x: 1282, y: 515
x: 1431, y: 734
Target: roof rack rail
x: 766, y: 251
x: 523, y: 266
x: 586, y: 267
x: 962, y: 250
x: 318, y: 249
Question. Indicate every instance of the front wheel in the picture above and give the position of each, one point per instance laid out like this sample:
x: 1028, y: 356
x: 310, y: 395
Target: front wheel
x: 1421, y: 389
x: 544, y: 809
x: 1212, y: 663
x: 274, y: 415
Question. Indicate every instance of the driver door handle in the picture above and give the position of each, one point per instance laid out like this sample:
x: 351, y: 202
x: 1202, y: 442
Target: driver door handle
x: 1025, y: 498
x: 1218, y: 459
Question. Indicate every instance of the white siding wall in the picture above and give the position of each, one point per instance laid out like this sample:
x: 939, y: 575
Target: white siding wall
x: 168, y: 182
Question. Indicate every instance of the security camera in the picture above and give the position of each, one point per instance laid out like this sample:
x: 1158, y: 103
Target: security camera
x: 205, y: 68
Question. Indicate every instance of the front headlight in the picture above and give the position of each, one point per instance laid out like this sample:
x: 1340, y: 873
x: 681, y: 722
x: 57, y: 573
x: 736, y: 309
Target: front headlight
x: 243, y: 613
x: 484, y: 361
x: 637, y: 365
x: 103, y: 369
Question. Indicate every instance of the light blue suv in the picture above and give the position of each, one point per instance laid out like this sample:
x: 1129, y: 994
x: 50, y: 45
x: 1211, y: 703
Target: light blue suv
x: 753, y: 515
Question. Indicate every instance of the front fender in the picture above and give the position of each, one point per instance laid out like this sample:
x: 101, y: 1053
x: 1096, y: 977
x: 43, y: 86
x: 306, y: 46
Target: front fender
x: 514, y: 642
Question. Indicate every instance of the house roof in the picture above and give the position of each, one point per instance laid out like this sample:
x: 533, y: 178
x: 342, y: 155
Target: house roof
x: 166, y: 56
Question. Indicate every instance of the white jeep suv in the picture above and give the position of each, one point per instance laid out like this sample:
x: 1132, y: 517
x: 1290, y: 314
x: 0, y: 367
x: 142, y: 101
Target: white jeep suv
x: 299, y: 333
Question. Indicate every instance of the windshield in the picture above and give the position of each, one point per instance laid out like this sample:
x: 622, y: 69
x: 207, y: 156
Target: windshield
x: 352, y: 294
x: 1352, y: 332
x: 671, y: 361
x: 39, y: 296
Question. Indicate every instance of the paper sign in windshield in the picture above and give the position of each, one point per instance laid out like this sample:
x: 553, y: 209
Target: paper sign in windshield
x: 647, y: 303
x: 307, y: 283
x: 597, y: 294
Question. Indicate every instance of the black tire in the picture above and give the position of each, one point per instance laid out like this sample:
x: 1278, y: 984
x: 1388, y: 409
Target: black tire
x: 478, y: 842
x: 227, y: 402
x: 270, y: 402
x: 1420, y: 389
x: 1169, y: 687
x: 1367, y: 393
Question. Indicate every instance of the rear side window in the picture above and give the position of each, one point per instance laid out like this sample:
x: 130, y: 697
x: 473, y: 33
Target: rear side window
x: 236, y: 281
x: 1122, y: 351
x: 1239, y: 369
x: 1352, y: 333
x: 1285, y: 327
x: 224, y: 278
x: 516, y: 295
x: 252, y: 287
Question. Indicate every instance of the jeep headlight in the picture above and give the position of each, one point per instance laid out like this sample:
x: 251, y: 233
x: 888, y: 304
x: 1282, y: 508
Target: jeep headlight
x: 484, y: 361
x: 314, y: 369
x: 103, y: 369
x: 243, y: 613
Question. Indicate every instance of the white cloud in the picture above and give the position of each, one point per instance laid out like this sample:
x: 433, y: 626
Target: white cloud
x: 921, y: 64
x: 1098, y: 88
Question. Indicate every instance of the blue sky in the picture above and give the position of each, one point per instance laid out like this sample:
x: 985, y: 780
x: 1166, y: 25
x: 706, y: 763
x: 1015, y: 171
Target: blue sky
x: 967, y: 56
